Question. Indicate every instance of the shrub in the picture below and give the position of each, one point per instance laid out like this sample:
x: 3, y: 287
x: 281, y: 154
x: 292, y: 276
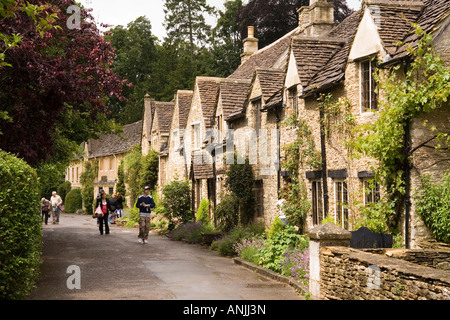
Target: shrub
x: 275, y: 247
x: 149, y: 171
x: 20, y: 227
x: 295, y: 264
x: 277, y: 226
x: 250, y: 249
x: 203, y: 211
x: 73, y: 201
x: 64, y: 188
x: 433, y: 206
x: 226, y: 246
x: 227, y: 213
x: 191, y: 231
x: 240, y: 180
x: 177, y: 201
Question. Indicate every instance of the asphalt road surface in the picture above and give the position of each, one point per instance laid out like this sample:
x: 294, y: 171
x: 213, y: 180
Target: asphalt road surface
x: 80, y: 264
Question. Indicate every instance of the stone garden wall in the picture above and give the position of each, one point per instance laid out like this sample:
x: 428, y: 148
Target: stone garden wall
x: 343, y: 273
x: 348, y: 273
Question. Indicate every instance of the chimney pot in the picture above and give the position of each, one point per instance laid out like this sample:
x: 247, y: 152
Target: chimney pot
x: 251, y: 31
x: 250, y: 44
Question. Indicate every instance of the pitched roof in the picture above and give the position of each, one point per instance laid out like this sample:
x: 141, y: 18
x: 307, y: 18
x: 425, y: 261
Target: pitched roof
x: 312, y: 54
x: 266, y: 58
x: 334, y: 70
x: 434, y: 12
x: 109, y: 144
x: 164, y: 110
x: 201, y: 169
x: 208, y: 88
x: 271, y: 80
x: 233, y: 93
x: 184, y: 105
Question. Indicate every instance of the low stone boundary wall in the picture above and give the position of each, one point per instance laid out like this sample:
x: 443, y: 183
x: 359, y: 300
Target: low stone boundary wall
x: 343, y: 273
x: 353, y: 274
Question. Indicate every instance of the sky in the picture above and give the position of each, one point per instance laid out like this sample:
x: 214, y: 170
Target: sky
x: 121, y: 12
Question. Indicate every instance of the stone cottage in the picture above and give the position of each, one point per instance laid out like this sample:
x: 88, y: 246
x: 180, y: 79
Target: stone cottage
x: 366, y: 40
x: 199, y: 133
x: 177, y: 166
x: 109, y: 150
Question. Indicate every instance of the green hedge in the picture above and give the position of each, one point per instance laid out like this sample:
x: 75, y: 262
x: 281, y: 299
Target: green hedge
x: 73, y: 201
x: 20, y: 227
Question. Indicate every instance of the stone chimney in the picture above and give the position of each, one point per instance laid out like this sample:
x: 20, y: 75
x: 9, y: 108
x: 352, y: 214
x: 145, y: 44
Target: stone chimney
x: 316, y: 19
x: 250, y: 45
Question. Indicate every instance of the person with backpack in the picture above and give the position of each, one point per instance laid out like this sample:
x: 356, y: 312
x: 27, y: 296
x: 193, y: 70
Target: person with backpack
x: 45, y: 208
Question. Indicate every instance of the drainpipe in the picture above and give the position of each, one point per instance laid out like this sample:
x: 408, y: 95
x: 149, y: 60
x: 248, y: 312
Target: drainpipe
x: 324, y: 160
x: 407, y: 172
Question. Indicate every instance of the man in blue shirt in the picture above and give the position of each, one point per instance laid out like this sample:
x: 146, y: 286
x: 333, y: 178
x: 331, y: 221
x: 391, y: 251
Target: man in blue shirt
x: 145, y: 203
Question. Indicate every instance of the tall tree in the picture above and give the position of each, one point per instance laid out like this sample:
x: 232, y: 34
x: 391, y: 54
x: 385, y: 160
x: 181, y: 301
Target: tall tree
x: 56, y: 89
x: 135, y: 47
x: 274, y: 18
x: 185, y: 22
x: 226, y: 40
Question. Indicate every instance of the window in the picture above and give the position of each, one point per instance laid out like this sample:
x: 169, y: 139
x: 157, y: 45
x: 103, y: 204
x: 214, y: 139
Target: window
x: 367, y: 86
x: 371, y: 192
x: 293, y: 99
x: 111, y: 190
x: 196, y: 136
x: 257, y: 106
x: 220, y: 127
x: 78, y: 176
x: 317, y: 207
x: 341, y: 203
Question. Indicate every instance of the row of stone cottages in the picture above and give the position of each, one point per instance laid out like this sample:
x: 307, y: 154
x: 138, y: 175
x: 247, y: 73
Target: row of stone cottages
x: 245, y: 112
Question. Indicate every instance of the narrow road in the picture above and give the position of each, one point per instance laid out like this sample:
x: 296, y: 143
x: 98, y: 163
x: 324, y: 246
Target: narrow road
x: 116, y: 266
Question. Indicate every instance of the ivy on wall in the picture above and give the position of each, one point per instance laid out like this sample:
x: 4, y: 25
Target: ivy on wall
x: 424, y: 88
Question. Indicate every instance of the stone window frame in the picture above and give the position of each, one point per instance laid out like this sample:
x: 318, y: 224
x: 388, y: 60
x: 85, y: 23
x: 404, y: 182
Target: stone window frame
x: 341, y: 202
x: 364, y: 109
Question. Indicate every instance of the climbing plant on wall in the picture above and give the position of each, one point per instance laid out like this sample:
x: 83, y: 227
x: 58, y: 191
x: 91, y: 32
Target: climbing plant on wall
x: 298, y: 154
x: 423, y: 88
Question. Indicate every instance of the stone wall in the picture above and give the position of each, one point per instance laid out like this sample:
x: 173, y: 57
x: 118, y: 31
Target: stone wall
x: 349, y: 274
x: 339, y: 272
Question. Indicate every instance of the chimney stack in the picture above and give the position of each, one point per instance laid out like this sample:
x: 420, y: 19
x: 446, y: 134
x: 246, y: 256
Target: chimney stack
x: 250, y: 45
x: 316, y: 19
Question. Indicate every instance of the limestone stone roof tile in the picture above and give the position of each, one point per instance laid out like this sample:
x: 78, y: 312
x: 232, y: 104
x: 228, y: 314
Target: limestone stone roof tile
x: 266, y: 57
x: 432, y: 14
x: 208, y: 89
x: 184, y: 105
x: 271, y: 80
x: 164, y: 110
x: 201, y: 168
x: 312, y: 54
x: 233, y: 93
x: 109, y: 144
x: 333, y: 71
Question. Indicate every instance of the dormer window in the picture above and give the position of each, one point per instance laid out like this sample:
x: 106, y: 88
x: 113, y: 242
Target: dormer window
x: 369, y: 100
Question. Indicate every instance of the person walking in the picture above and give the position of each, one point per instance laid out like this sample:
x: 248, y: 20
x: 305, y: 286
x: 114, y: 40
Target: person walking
x: 56, y: 203
x: 119, y: 205
x: 112, y: 216
x: 105, y: 205
x: 45, y: 208
x: 145, y: 203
